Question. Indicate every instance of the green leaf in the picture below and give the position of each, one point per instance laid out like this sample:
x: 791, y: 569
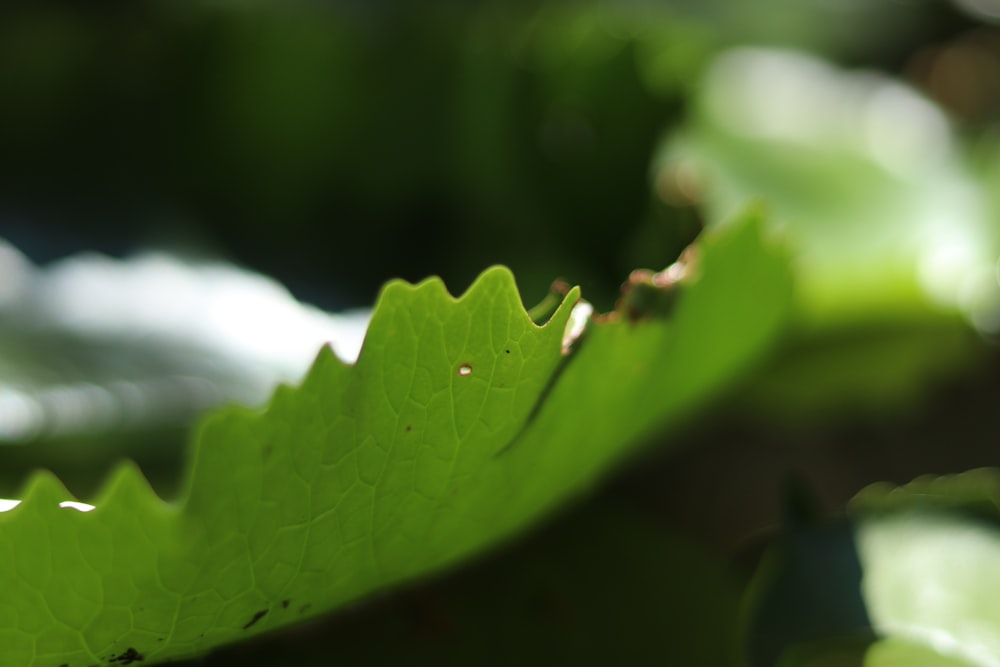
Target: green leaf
x: 931, y: 556
x: 460, y: 424
x: 923, y: 571
x: 892, y: 232
x: 865, y: 176
x: 895, y: 652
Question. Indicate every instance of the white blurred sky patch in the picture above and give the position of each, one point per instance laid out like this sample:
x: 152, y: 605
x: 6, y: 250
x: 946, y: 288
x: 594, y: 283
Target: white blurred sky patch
x: 222, y: 308
x: 231, y: 333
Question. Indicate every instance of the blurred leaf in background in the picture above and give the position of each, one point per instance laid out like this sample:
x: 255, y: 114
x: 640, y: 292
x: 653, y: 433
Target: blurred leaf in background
x: 894, y: 234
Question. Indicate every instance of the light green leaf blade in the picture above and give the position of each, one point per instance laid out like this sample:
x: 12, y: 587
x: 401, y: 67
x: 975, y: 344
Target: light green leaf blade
x: 893, y: 234
x: 865, y: 176
x: 895, y: 652
x: 370, y: 474
x: 931, y: 556
x: 924, y: 568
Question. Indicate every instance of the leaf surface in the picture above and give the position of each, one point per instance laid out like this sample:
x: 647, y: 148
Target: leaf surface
x: 931, y: 553
x: 916, y: 568
x: 459, y: 425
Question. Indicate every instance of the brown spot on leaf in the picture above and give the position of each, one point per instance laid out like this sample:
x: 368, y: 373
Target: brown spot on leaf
x: 560, y: 286
x: 256, y: 617
x: 128, y: 657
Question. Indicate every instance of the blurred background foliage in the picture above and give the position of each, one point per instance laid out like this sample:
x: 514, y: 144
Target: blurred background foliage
x: 324, y: 142
x: 337, y: 144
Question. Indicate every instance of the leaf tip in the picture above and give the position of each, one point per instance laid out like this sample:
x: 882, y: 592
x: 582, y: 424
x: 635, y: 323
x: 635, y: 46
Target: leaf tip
x: 44, y: 487
x: 127, y: 484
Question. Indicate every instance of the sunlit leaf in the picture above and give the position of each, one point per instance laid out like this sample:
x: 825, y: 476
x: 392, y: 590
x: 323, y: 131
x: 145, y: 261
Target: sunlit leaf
x: 460, y: 424
x: 893, y: 234
x: 931, y: 556
x: 922, y: 581
x: 895, y: 652
x: 864, y: 175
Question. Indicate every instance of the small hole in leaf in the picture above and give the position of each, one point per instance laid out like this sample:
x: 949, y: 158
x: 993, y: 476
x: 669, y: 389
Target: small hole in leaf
x: 465, y: 369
